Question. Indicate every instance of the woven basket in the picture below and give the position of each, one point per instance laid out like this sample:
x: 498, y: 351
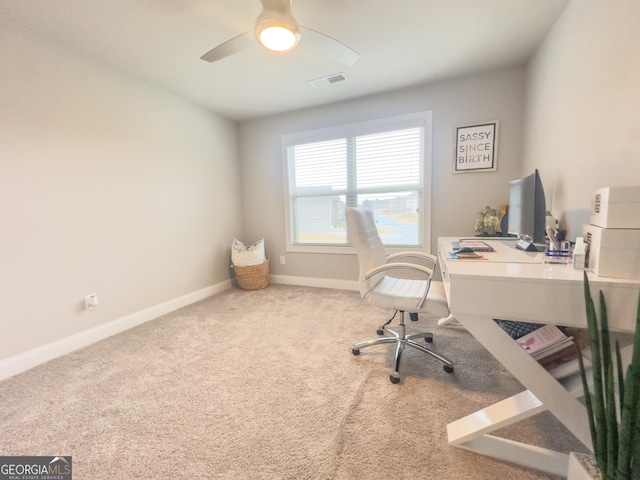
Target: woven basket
x: 253, y: 277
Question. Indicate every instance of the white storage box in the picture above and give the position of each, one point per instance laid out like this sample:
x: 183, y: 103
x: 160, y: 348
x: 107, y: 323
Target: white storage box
x: 613, y: 252
x: 616, y: 207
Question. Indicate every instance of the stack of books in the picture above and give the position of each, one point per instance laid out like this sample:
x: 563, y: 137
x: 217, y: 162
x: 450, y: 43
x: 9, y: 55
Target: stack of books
x: 554, y: 350
x: 563, y: 366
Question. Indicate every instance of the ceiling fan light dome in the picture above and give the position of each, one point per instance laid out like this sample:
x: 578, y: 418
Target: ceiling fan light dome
x: 277, y: 31
x: 277, y: 38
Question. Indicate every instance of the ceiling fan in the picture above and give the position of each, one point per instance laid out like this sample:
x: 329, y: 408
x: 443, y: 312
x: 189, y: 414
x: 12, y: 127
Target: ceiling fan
x: 277, y: 30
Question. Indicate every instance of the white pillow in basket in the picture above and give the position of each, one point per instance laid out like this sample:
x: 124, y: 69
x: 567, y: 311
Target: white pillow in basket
x: 245, y: 255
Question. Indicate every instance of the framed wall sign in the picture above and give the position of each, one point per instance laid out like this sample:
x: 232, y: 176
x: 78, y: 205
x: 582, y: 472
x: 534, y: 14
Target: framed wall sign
x: 476, y: 148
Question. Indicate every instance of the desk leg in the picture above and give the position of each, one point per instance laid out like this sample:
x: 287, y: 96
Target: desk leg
x: 449, y: 319
x: 470, y: 433
x: 544, y: 393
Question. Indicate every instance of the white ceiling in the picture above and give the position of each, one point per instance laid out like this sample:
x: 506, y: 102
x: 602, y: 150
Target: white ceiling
x: 401, y: 43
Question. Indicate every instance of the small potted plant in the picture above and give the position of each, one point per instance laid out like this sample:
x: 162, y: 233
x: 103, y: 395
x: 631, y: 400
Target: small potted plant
x: 488, y: 221
x: 614, y: 405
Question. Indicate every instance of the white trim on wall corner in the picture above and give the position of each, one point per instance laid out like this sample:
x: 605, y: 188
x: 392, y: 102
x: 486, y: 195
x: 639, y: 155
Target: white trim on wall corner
x: 24, y: 361
x: 314, y: 282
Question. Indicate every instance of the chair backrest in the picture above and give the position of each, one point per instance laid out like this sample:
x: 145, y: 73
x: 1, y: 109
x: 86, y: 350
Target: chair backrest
x: 363, y: 234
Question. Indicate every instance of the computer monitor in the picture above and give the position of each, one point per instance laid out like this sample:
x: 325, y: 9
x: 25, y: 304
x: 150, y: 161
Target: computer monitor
x: 527, y: 208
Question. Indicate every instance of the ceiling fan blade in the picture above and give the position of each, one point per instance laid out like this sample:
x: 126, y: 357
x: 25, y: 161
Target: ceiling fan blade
x: 229, y: 47
x: 331, y: 47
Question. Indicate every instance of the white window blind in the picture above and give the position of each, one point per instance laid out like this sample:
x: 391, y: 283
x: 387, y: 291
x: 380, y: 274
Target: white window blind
x: 377, y: 165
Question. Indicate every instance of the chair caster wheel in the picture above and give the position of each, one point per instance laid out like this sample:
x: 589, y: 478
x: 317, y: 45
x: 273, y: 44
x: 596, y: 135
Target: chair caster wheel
x: 447, y: 368
x: 428, y: 337
x: 394, y: 379
x: 355, y: 351
x: 380, y: 331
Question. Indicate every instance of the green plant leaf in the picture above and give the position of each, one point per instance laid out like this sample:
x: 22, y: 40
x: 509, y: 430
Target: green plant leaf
x: 620, y: 376
x: 599, y: 414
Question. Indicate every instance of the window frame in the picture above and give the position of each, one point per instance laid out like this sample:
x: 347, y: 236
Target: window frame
x: 419, y: 119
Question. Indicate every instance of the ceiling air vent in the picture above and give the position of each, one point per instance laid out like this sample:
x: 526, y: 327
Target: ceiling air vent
x: 329, y: 80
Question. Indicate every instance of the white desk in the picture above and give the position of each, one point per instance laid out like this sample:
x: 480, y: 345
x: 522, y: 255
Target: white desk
x: 516, y: 285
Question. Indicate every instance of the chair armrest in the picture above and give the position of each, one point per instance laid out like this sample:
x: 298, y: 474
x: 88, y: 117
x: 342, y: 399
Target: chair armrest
x: 404, y: 266
x: 399, y: 266
x: 430, y: 260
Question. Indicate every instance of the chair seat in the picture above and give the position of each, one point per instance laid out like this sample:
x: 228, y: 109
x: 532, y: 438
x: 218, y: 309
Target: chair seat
x: 405, y: 295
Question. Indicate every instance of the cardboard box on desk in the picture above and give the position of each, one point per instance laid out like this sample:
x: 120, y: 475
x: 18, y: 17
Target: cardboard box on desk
x: 616, y: 207
x: 613, y: 252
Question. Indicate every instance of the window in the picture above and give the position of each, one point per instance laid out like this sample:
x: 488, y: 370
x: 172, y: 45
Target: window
x: 379, y: 164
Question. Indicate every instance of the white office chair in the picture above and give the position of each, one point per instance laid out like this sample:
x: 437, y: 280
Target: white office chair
x: 423, y: 296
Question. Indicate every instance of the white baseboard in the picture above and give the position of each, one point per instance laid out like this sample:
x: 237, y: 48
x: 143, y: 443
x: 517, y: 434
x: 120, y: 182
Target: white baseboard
x: 314, y: 282
x: 24, y: 361
x: 32, y: 358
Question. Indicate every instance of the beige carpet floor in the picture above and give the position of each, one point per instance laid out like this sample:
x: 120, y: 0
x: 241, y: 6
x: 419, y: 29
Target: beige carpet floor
x: 263, y: 385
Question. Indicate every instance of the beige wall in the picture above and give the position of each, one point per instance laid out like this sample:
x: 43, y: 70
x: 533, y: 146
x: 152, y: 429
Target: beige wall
x: 456, y: 198
x: 583, y: 106
x: 107, y: 185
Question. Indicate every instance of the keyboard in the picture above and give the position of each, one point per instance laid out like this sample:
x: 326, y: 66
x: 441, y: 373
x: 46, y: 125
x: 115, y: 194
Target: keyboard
x: 475, y: 245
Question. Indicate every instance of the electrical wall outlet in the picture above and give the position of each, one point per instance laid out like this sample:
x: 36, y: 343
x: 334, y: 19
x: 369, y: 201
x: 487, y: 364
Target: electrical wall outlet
x: 282, y: 260
x: 91, y: 301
